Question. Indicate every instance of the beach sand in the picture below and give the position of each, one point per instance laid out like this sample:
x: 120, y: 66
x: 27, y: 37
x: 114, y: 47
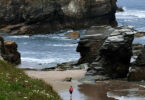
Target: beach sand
x: 56, y: 78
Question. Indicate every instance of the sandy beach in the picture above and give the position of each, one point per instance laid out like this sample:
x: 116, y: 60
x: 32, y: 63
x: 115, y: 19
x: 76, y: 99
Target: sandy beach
x: 56, y: 78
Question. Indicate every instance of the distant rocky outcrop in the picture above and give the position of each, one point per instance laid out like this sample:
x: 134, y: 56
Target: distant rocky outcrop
x: 8, y: 51
x: 74, y: 35
x: 108, y: 51
x: 43, y: 16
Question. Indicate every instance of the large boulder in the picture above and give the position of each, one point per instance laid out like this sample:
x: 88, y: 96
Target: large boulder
x: 8, y: 51
x: 43, y: 16
x: 116, y: 52
x: 107, y: 50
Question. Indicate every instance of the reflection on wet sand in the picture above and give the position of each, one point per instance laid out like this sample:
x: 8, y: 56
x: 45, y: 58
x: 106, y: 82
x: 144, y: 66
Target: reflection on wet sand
x: 119, y: 90
x: 77, y: 95
x: 107, y: 90
x: 95, y: 92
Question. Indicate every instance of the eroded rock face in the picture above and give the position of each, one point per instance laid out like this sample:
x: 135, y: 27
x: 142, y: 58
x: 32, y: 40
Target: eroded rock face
x: 89, y: 48
x: 43, y: 16
x: 8, y: 51
x: 116, y: 52
x: 89, y: 45
x: 111, y: 53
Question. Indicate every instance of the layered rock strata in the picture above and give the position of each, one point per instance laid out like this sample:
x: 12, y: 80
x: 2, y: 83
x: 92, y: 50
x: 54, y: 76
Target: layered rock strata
x: 111, y: 55
x: 43, y: 16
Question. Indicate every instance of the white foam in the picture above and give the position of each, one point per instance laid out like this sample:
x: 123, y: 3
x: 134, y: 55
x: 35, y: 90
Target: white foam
x: 62, y: 45
x: 133, y: 58
x: 18, y: 36
x: 48, y: 60
x: 142, y: 86
x: 130, y: 14
x: 32, y: 53
x: 128, y: 97
x: 27, y: 59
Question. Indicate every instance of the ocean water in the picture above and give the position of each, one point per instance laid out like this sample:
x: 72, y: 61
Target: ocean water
x: 133, y: 15
x: 44, y: 51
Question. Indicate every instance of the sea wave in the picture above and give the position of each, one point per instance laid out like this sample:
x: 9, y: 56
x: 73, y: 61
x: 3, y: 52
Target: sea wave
x: 62, y: 45
x: 47, y: 60
x: 18, y: 36
x: 128, y: 97
x: 27, y: 59
x: 130, y: 14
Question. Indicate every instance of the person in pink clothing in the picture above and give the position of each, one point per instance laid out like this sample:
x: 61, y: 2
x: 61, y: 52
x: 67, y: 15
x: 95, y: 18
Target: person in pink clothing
x: 71, y: 91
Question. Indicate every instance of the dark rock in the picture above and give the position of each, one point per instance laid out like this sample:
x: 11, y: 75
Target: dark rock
x: 67, y: 66
x: 136, y: 73
x: 2, y: 48
x: 49, y: 69
x: 90, y: 43
x: 89, y: 48
x: 43, y: 16
x: 137, y: 70
x: 111, y: 53
x: 116, y: 53
x: 140, y: 61
x: 68, y: 79
x: 95, y: 71
x: 120, y: 9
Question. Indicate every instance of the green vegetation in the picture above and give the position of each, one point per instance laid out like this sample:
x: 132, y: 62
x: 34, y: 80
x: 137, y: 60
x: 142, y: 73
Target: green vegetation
x: 16, y: 85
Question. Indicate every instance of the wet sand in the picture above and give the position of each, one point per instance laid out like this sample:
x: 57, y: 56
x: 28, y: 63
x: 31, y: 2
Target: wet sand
x: 115, y: 89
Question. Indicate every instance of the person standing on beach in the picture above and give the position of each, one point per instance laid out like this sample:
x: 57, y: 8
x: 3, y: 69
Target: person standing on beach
x: 71, y: 91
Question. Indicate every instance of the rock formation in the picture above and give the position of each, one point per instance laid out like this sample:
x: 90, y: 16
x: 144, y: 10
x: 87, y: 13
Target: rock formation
x: 43, y: 16
x: 109, y: 53
x: 8, y: 51
x: 74, y: 35
x: 90, y: 44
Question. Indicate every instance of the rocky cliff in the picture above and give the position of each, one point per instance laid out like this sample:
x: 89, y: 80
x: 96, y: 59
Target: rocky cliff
x: 43, y: 16
x: 8, y: 51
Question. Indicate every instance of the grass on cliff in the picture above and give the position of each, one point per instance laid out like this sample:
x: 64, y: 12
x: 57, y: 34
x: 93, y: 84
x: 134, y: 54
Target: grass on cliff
x: 16, y: 85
